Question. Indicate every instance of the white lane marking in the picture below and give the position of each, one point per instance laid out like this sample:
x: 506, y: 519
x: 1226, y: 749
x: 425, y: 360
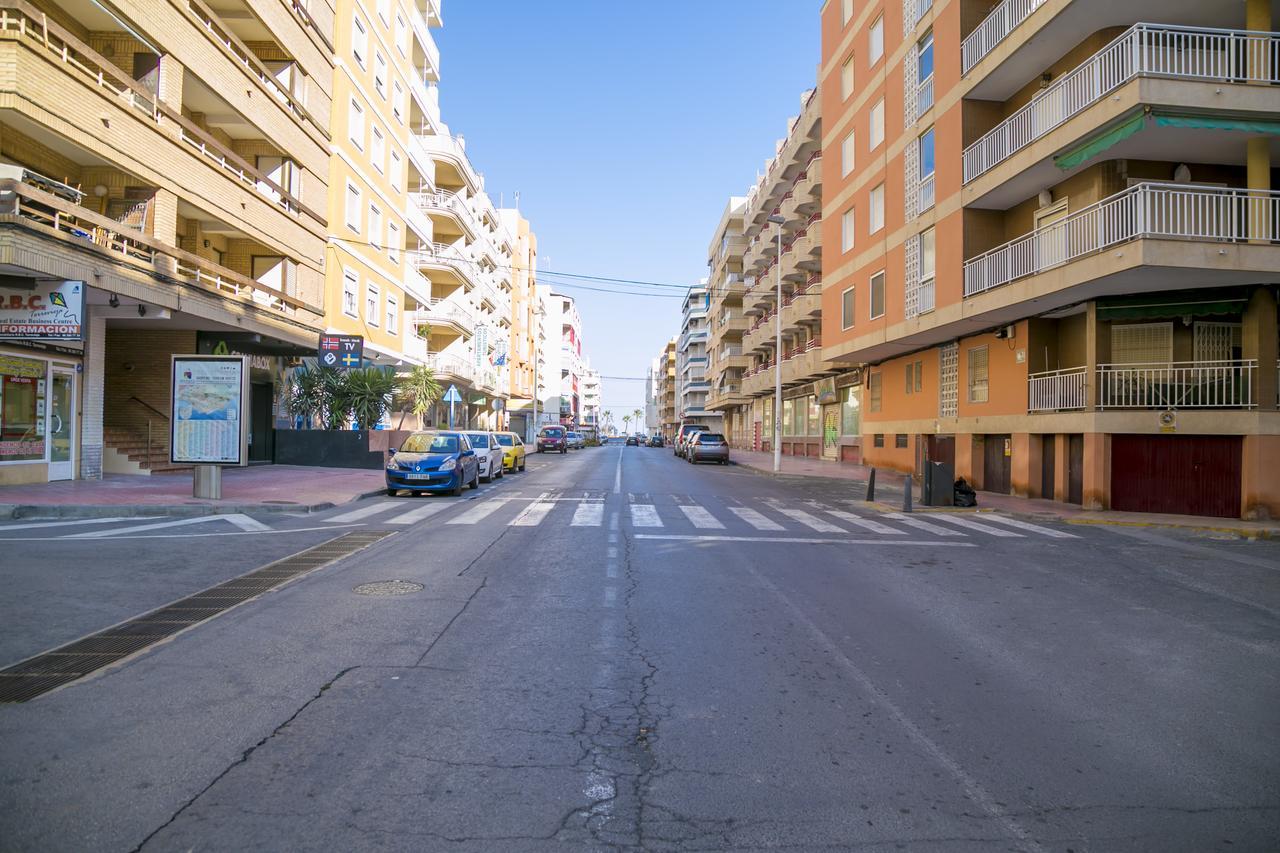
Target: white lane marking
x: 866, y: 523
x: 617, y: 473
x: 711, y: 537
x: 700, y: 517
x: 755, y: 519
x: 478, y: 513
x: 181, y: 522
x: 1026, y: 525
x: 363, y: 512
x: 33, y: 524
x: 973, y: 525
x: 644, y: 515
x: 413, y: 516
x: 809, y: 520
x: 285, y: 531
x: 919, y: 524
x: 246, y: 523
x: 588, y: 515
x: 532, y: 515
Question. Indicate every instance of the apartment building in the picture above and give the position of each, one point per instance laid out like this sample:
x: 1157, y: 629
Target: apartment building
x: 668, y: 391
x: 1055, y: 244
x: 522, y: 360
x: 693, y: 383
x: 164, y: 175
x: 726, y: 362
x: 571, y: 366
x: 653, y: 397
x: 783, y: 226
x: 592, y: 398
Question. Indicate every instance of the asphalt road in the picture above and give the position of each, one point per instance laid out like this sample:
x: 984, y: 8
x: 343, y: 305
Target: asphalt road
x: 617, y: 650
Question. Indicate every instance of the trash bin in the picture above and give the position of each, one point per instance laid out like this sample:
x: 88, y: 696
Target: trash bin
x: 939, y: 484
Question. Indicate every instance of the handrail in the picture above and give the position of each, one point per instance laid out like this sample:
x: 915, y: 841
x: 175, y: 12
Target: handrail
x: 132, y: 245
x: 72, y: 50
x: 994, y: 28
x: 136, y: 399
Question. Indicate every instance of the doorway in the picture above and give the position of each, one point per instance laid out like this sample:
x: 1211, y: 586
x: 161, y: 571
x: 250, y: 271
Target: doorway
x: 997, y: 459
x: 260, y: 425
x: 1048, y: 466
x: 62, y: 425
x: 1075, y: 470
x: 831, y: 432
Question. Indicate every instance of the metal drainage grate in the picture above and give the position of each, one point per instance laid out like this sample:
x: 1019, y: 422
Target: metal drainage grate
x: 44, y: 672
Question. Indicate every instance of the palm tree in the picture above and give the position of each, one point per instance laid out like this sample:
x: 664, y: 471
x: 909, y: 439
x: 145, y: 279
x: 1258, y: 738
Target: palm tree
x: 418, y: 390
x: 626, y: 423
x: 369, y: 391
x: 638, y: 416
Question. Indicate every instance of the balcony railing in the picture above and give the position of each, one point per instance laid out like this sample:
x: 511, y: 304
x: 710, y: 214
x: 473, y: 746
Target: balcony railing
x: 926, y: 192
x: 1057, y: 390
x: 1144, y: 50
x: 445, y: 311
x: 924, y: 96
x: 452, y: 365
x: 1003, y: 20
x: 1177, y: 385
x: 441, y: 254
x: 1172, y: 211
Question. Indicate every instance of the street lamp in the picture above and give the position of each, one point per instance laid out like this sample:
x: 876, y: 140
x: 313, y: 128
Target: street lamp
x: 777, y: 350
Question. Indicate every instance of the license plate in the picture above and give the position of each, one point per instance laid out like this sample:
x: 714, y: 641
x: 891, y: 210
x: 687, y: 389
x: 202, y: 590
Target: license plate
x: 418, y: 476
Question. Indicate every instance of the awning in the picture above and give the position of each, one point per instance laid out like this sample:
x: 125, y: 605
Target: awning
x: 1097, y: 144
x: 1214, y: 123
x: 1225, y: 302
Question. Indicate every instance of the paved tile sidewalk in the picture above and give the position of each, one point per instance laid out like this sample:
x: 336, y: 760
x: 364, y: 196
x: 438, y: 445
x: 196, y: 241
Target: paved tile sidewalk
x: 258, y: 488
x: 889, y: 486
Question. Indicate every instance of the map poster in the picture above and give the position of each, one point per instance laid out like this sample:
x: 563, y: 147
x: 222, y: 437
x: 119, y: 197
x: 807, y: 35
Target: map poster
x: 208, y: 425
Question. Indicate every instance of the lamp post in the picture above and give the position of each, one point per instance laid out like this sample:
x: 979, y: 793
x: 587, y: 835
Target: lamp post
x: 777, y: 349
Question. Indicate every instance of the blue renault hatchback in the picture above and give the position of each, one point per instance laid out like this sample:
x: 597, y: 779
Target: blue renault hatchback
x: 433, y: 461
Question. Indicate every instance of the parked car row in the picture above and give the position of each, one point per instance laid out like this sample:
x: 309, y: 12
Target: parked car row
x: 448, y: 460
x: 560, y: 439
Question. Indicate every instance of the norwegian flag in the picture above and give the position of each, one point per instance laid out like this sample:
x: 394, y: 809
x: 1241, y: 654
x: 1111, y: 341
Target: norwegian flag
x: 328, y: 343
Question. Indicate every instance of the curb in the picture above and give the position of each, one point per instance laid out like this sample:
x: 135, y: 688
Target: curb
x: 1251, y: 533
x: 193, y: 510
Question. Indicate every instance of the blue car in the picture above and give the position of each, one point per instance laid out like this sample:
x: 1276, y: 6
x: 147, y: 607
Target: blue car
x: 433, y: 461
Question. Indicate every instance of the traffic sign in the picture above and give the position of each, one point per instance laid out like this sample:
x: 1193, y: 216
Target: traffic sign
x: 452, y: 395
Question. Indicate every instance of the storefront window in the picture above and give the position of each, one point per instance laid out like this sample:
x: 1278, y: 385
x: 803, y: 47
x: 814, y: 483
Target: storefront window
x: 22, y: 409
x: 815, y: 417
x: 788, y: 417
x: 851, y: 413
x: 768, y: 418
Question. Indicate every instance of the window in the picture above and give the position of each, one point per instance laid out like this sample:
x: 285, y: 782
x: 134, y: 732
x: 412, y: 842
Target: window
x: 846, y: 79
x: 350, y: 287
x: 788, y: 417
x: 380, y: 74
x: 384, y: 12
x: 910, y: 374
x: 402, y: 33
x: 978, y: 375
x: 900, y: 441
x: 846, y: 230
x: 877, y: 125
x: 877, y: 295
x: 353, y: 207
x: 915, y: 376
x: 847, y: 151
x: 393, y: 242
x: 846, y: 309
x: 378, y: 150
x: 877, y: 209
x: 851, y: 412
x: 926, y: 153
x: 846, y: 11
x: 928, y: 264
x: 393, y: 173
x: 22, y: 415
x: 875, y: 391
x: 393, y: 314
x: 397, y: 109
x: 1142, y: 343
x: 359, y: 40
x: 878, y: 439
x: 375, y: 227
x: 372, y: 296
x: 355, y: 124
x: 925, y: 57
x: 875, y: 40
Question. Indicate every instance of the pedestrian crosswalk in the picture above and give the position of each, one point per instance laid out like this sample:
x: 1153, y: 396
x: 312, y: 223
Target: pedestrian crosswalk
x: 709, y: 517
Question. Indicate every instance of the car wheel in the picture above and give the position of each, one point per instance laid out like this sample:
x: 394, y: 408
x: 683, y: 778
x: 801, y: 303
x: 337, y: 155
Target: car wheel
x: 475, y: 482
x: 521, y: 464
x: 391, y: 493
x: 456, y: 491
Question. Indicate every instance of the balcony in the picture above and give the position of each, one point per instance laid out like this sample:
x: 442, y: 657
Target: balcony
x: 1172, y: 385
x: 438, y: 259
x: 442, y: 313
x: 449, y: 368
x: 448, y: 205
x: 1058, y: 390
x: 1145, y: 50
x: 1002, y: 21
x: 804, y: 363
x: 1169, y: 211
x: 452, y: 166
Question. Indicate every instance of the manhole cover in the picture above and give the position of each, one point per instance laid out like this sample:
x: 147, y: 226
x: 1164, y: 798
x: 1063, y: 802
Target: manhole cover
x: 388, y: 588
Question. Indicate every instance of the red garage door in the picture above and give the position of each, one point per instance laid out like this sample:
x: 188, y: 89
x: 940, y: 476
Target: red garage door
x: 1184, y: 474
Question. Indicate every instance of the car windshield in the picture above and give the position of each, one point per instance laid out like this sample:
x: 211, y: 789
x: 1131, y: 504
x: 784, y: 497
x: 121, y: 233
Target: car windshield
x: 553, y: 433
x: 478, y: 439
x: 505, y: 440
x: 430, y: 442
x: 710, y: 438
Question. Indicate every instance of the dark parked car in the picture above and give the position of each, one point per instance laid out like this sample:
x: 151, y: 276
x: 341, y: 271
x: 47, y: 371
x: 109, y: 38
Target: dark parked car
x: 657, y: 440
x: 433, y: 461
x: 632, y: 440
x: 553, y: 438
x: 707, y: 447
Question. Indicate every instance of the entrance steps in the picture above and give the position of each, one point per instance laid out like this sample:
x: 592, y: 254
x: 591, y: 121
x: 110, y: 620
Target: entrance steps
x: 126, y: 452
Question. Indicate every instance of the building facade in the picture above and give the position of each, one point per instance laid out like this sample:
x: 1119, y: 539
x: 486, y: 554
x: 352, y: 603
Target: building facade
x: 726, y: 361
x: 571, y: 365
x: 668, y: 391
x: 1055, y: 245
x: 693, y: 384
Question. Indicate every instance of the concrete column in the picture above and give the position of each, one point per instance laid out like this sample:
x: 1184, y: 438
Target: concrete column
x: 165, y: 217
x: 1062, y: 468
x: 1024, y: 467
x: 92, y: 391
x: 1258, y: 168
x: 171, y: 77
x: 1097, y: 470
x: 967, y: 447
x: 1259, y: 486
x: 1091, y: 359
x: 1260, y: 339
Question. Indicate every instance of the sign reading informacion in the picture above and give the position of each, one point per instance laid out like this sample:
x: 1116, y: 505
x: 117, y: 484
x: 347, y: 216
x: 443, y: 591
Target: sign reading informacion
x: 210, y: 396
x: 341, y: 351
x: 45, y: 310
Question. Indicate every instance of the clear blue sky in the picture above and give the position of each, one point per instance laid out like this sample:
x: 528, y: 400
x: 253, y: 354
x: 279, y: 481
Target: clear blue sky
x: 625, y: 127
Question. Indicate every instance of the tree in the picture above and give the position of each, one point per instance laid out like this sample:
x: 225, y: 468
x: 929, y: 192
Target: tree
x: 368, y: 393
x: 418, y: 390
x: 638, y: 416
x: 626, y: 423
x: 318, y: 394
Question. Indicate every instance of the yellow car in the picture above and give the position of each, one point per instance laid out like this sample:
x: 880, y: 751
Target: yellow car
x: 512, y: 450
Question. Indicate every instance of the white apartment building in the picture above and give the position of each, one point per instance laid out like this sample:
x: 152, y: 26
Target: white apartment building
x: 571, y: 365
x: 591, y: 397
x: 693, y: 385
x: 653, y: 397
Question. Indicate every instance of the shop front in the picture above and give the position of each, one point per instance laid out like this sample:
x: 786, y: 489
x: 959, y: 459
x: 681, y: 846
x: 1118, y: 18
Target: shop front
x: 38, y: 415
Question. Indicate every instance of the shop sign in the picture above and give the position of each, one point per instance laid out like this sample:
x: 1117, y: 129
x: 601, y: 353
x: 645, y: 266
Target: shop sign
x: 825, y: 389
x: 207, y: 423
x: 48, y: 310
x: 341, y: 351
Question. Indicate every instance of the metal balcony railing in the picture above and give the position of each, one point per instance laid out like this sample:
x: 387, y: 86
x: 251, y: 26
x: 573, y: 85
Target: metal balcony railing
x: 1002, y: 21
x: 452, y: 365
x: 441, y: 254
x: 1177, y: 385
x: 1144, y: 50
x: 1170, y: 211
x: 1057, y: 390
x: 446, y: 311
x: 924, y: 96
x: 926, y: 193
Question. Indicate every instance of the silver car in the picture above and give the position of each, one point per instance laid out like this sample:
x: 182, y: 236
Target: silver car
x: 488, y: 454
x: 707, y: 447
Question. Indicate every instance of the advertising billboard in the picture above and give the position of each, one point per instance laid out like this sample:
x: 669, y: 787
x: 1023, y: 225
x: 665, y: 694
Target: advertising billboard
x: 46, y: 310
x: 210, y: 398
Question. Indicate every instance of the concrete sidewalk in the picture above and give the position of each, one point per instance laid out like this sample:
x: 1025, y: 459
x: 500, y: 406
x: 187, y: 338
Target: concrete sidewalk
x: 263, y: 488
x: 889, y: 494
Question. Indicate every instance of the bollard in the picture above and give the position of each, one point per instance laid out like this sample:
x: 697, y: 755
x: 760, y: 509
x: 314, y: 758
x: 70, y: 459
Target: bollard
x: 871, y: 486
x: 906, y: 494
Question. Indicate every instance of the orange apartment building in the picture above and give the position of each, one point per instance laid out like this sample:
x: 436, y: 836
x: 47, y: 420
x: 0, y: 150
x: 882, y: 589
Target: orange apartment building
x: 1053, y: 241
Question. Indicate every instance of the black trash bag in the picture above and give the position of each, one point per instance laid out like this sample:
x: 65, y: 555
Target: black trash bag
x: 964, y: 494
